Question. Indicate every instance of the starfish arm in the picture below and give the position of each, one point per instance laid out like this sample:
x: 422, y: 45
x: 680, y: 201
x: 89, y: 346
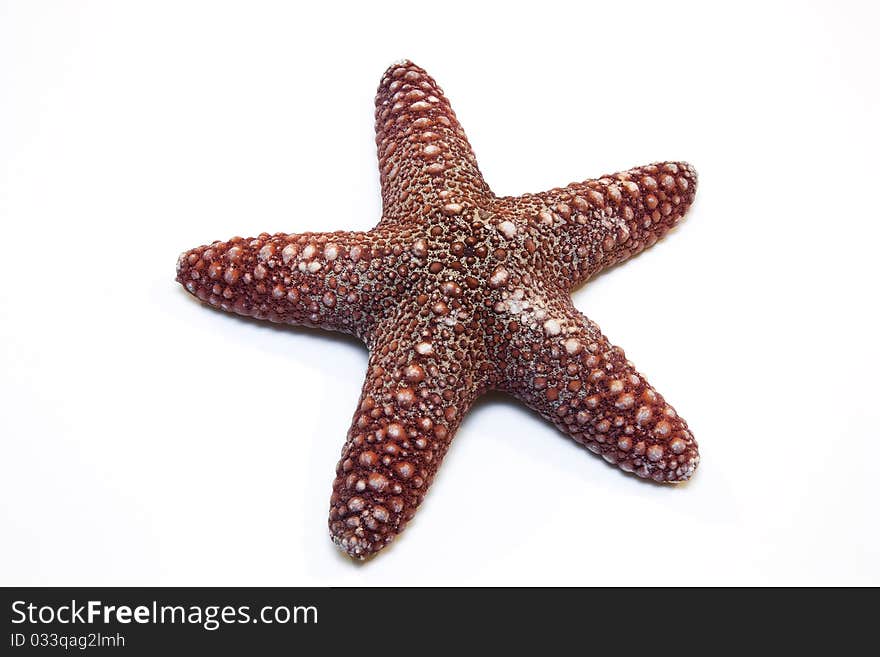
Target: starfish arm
x: 309, y: 279
x: 416, y: 392
x: 564, y: 368
x: 590, y: 226
x: 425, y: 160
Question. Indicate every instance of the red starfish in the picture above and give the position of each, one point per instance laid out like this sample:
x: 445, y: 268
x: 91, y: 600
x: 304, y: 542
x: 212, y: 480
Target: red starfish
x: 456, y: 292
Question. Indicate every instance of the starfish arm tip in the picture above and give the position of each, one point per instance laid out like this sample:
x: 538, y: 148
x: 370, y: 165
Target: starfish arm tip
x: 283, y: 278
x: 595, y: 224
x: 407, y: 416
x: 588, y: 389
x: 419, y: 139
x: 355, y: 548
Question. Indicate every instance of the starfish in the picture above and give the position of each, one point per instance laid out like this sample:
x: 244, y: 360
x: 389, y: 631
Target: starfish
x: 457, y: 292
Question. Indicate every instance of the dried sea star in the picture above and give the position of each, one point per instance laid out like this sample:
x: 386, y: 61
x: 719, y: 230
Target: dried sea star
x: 456, y: 292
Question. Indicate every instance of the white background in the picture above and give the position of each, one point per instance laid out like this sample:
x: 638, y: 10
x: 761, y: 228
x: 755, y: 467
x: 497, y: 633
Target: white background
x: 149, y: 440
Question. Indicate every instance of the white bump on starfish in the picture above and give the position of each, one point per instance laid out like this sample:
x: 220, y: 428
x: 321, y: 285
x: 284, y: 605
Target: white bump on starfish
x: 552, y: 327
x: 288, y: 253
x: 507, y: 228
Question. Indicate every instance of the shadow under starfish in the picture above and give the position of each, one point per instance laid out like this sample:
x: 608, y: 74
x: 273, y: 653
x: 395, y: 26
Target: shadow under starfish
x: 457, y: 292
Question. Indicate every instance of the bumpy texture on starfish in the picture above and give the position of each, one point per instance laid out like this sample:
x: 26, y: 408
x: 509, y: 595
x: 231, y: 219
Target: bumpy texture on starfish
x: 456, y: 292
